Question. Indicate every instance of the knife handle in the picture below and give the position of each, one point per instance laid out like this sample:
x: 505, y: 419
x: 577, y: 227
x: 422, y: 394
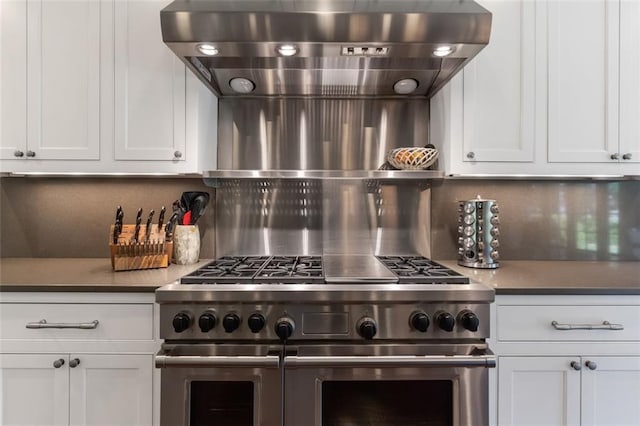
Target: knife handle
x: 161, y: 218
x: 137, y: 229
x: 148, y: 228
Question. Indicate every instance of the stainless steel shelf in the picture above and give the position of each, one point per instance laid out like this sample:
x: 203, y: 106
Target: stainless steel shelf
x: 325, y: 174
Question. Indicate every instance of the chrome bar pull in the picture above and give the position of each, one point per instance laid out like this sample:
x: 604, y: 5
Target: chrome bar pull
x: 606, y: 325
x: 81, y: 325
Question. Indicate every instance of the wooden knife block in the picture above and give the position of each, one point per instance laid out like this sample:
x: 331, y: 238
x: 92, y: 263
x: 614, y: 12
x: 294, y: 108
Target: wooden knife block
x: 146, y: 253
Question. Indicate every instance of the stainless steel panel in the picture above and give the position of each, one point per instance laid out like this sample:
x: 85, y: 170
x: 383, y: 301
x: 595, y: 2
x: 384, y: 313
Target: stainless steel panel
x: 317, y: 134
x: 351, y: 269
x: 315, y: 217
x: 325, y: 323
x: 211, y: 176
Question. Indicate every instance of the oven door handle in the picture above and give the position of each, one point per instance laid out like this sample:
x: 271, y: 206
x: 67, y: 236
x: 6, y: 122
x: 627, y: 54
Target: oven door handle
x: 456, y: 361
x: 166, y: 361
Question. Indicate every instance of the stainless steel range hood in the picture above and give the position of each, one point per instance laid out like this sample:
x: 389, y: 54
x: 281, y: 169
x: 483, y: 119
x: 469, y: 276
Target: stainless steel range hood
x: 337, y: 48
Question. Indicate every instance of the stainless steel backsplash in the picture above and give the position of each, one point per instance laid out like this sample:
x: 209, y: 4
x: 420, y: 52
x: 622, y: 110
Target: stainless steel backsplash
x: 317, y: 134
x: 315, y: 217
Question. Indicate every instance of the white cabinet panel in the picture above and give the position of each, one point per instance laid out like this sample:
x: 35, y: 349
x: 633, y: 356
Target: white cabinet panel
x: 611, y: 392
x: 583, y: 42
x: 63, y: 48
x: 33, y: 392
x: 630, y: 81
x: 499, y: 88
x: 538, y: 391
x: 149, y: 86
x: 13, y: 79
x: 114, y: 390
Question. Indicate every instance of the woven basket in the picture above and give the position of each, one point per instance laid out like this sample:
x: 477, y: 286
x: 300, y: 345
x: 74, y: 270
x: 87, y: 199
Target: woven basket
x: 412, y: 158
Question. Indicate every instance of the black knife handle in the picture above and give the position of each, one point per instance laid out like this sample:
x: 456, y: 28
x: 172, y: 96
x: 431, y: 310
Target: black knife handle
x: 148, y: 228
x: 161, y: 218
x: 168, y: 230
x: 137, y: 229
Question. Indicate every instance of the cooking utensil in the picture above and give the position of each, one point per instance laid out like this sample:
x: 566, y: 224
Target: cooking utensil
x: 413, y: 158
x: 168, y: 230
x: 198, y: 206
x: 186, y: 219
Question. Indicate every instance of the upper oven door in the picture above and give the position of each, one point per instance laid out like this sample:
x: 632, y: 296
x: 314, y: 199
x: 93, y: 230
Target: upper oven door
x: 204, y: 384
x: 387, y: 385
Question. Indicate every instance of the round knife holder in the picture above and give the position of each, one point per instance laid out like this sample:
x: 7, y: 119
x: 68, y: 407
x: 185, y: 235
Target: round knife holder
x: 478, y: 233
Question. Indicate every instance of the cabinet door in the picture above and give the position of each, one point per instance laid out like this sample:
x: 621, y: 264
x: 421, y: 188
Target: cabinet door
x: 13, y: 79
x: 611, y: 391
x: 149, y: 86
x: 538, y: 391
x: 630, y: 81
x: 499, y: 86
x: 63, y: 48
x: 34, y: 392
x: 583, y: 40
x: 114, y: 390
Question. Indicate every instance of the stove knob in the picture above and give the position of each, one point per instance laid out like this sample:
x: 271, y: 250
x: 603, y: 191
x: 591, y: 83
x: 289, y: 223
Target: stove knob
x: 445, y: 321
x: 469, y: 320
x: 367, y: 328
x: 256, y: 322
x: 230, y: 322
x: 181, y: 322
x: 284, y: 328
x: 207, y: 321
x: 420, y: 321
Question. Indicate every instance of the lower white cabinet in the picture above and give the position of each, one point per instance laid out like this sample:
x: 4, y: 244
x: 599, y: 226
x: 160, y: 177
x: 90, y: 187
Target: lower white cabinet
x: 567, y: 360
x: 587, y: 390
x: 76, y: 389
x: 74, y: 373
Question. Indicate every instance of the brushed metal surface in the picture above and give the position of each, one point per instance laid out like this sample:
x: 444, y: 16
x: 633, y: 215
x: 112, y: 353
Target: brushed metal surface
x: 351, y: 269
x: 247, y: 35
x: 317, y: 134
x: 211, y: 175
x: 321, y: 217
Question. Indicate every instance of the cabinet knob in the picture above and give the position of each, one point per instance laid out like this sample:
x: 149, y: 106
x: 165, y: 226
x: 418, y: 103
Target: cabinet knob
x: 615, y: 156
x: 31, y: 154
x: 591, y: 365
x: 74, y: 363
x: 17, y: 153
x: 177, y: 154
x: 576, y: 365
x: 627, y: 156
x: 58, y: 363
x: 471, y: 155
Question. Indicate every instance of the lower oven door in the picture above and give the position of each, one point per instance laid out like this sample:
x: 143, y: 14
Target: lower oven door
x: 220, y: 385
x: 388, y: 385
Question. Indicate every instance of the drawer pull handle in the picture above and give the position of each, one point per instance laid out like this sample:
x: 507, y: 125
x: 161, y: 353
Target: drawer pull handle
x: 82, y: 325
x: 606, y: 325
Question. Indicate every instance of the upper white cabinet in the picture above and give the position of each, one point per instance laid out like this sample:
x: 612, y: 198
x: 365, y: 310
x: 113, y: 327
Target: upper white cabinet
x: 629, y: 81
x: 556, y: 92
x: 88, y: 86
x: 13, y: 79
x: 499, y: 116
x: 149, y: 87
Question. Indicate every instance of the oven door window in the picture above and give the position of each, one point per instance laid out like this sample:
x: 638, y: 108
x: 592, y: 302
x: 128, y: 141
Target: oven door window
x: 387, y: 403
x: 221, y: 403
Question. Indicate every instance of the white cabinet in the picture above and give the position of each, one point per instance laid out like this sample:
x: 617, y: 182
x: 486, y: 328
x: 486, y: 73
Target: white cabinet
x: 76, y: 389
x: 150, y: 86
x: 99, y: 375
x: 13, y: 79
x: 580, y: 371
x: 556, y: 92
x: 99, y: 92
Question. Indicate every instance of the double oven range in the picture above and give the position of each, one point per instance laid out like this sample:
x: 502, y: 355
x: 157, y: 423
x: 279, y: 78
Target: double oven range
x: 324, y: 340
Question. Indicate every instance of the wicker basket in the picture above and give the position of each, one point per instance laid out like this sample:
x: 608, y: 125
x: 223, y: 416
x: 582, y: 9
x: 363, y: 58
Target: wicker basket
x: 412, y: 158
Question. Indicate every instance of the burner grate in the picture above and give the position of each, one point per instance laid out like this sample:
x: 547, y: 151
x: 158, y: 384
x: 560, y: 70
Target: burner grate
x: 420, y: 270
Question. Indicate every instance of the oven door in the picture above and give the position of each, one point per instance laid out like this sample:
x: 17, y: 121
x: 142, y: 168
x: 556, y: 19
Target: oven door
x: 203, y: 384
x: 388, y: 385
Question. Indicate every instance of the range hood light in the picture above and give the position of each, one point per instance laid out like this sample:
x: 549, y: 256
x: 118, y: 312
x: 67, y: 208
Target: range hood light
x: 287, y: 50
x: 443, y: 51
x: 242, y: 85
x: 207, y: 49
x: 405, y: 86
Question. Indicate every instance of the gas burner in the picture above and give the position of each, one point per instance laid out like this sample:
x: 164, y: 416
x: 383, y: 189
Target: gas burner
x: 293, y: 269
x: 227, y: 269
x: 420, y: 270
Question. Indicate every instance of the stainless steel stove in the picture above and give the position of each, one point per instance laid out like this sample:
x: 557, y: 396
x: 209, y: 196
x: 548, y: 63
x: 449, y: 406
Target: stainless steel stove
x: 277, y: 326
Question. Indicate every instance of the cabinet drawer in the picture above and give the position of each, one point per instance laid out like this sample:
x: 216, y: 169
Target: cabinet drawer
x: 534, y: 323
x: 115, y: 321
